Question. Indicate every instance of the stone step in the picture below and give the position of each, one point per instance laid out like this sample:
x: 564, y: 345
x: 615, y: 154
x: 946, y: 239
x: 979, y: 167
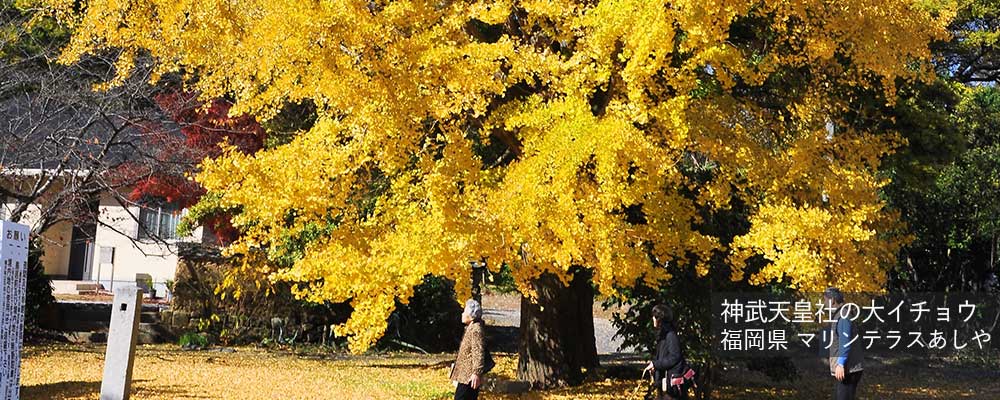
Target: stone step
x: 87, y: 322
x: 154, y: 334
x: 74, y: 287
x: 75, y: 325
x: 88, y: 286
x: 148, y: 334
x: 86, y: 337
x: 90, y: 314
x: 104, y: 318
x: 95, y: 311
x: 149, y: 317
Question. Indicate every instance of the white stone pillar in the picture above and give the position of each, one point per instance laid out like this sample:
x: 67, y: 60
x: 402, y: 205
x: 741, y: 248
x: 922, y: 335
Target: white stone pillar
x: 122, y: 334
x: 13, y: 278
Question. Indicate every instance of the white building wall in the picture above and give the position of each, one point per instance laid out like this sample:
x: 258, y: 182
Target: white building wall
x: 119, y: 230
x: 56, y: 240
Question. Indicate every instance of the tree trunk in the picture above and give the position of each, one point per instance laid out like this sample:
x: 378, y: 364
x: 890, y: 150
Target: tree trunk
x: 478, y: 273
x: 557, y: 332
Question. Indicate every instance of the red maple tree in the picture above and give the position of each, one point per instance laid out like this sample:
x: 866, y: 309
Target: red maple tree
x: 192, y: 132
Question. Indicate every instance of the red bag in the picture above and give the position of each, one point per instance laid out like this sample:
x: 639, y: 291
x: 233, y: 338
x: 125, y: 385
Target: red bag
x: 680, y: 381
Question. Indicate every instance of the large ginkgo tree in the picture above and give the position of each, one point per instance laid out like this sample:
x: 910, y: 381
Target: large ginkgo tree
x: 577, y: 142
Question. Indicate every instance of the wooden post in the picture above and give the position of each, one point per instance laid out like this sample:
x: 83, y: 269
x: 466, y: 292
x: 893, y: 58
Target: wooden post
x: 478, y: 272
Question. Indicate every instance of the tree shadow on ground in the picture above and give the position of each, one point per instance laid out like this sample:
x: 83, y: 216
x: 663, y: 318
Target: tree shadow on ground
x: 60, y: 390
x: 90, y: 390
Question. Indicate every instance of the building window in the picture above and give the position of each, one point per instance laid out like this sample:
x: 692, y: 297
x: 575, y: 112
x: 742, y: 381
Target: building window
x: 160, y: 222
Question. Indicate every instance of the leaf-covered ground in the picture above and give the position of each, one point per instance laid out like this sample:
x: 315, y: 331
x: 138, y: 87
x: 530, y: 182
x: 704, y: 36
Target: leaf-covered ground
x: 164, y: 372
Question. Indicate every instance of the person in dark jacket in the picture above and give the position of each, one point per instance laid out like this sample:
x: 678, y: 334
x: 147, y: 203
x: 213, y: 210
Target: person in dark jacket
x: 669, y: 360
x: 845, y: 359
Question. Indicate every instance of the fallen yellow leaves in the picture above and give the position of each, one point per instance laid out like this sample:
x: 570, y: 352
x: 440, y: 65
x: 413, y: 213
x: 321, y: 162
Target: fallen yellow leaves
x: 163, y: 372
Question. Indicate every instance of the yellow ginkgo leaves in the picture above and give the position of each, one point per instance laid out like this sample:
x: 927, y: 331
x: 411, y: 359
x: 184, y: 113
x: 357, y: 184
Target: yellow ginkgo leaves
x: 541, y: 134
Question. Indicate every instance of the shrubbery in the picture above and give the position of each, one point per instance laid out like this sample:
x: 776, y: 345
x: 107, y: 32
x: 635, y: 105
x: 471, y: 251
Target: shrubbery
x: 259, y: 311
x: 246, y: 311
x: 38, y: 293
x: 431, y: 320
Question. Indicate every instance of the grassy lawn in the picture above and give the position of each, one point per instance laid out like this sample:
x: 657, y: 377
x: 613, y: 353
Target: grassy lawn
x: 64, y: 371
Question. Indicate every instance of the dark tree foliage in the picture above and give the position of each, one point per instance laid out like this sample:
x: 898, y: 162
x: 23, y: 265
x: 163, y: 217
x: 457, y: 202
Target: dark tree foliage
x: 38, y: 290
x: 953, y: 207
x: 431, y: 320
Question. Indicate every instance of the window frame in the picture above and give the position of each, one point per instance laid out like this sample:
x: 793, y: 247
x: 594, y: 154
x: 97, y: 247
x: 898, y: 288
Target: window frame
x: 146, y: 232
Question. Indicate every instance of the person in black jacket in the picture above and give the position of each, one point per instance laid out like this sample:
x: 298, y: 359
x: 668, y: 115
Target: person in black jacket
x: 669, y: 362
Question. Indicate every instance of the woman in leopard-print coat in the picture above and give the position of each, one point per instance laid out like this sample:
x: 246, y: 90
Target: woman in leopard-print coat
x: 467, y: 372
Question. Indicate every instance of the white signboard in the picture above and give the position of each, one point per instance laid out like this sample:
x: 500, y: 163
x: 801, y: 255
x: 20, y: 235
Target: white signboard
x: 13, y: 278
